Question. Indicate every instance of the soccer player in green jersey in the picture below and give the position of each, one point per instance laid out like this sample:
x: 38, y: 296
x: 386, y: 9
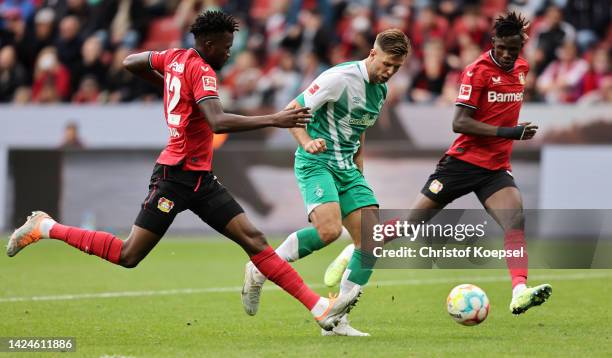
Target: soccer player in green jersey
x: 345, y: 100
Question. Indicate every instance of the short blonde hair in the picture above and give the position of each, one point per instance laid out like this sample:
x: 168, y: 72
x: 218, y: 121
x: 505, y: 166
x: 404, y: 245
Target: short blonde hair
x: 393, y: 42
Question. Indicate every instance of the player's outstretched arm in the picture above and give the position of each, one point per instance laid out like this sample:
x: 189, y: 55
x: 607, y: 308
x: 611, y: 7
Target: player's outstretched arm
x: 221, y: 122
x: 138, y: 64
x: 465, y: 123
x: 312, y: 146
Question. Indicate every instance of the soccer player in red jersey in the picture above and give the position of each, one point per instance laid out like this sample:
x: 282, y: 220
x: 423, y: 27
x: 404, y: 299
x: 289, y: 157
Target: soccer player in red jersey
x: 182, y: 178
x: 488, y: 106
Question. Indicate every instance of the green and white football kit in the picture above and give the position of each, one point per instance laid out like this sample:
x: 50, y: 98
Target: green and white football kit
x: 344, y: 104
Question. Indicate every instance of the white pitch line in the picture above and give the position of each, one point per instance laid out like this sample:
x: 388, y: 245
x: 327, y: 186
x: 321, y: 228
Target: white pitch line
x: 409, y: 282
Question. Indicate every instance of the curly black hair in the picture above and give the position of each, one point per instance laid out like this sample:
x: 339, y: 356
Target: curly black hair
x: 510, y: 25
x: 213, y: 21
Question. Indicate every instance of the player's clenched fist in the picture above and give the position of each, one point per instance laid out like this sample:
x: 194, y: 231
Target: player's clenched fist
x: 315, y: 146
x: 291, y: 118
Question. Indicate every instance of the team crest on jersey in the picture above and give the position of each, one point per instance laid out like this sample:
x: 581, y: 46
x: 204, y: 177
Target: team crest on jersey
x: 465, y: 91
x: 313, y: 89
x: 165, y: 205
x: 319, y: 192
x: 435, y: 186
x: 522, y: 78
x: 356, y: 100
x: 210, y: 83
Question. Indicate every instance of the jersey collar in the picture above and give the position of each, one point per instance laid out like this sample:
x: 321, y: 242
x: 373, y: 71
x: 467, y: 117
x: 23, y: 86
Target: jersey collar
x: 364, y: 70
x: 497, y: 63
x: 198, y: 52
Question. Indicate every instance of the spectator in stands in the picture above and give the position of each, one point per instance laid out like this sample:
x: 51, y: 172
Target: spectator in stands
x: 242, y: 82
x: 428, y: 27
x: 124, y: 22
x: 44, y: 31
x: 12, y: 74
x: 78, y: 8
x: 51, y: 78
x: 282, y: 83
x: 470, y: 28
x: 69, y: 43
x: 549, y: 35
x: 559, y: 83
x: 15, y: 34
x: 599, y: 68
x: 590, y: 18
x: 428, y: 84
x: 310, y: 36
x: 88, y: 91
x: 31, y: 39
x: 603, y: 94
x: 25, y: 8
x: 92, y: 64
x: 120, y: 83
x: 450, y: 90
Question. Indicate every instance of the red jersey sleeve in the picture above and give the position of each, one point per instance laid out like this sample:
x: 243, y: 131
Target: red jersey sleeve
x: 157, y: 60
x: 471, y: 87
x: 203, y: 82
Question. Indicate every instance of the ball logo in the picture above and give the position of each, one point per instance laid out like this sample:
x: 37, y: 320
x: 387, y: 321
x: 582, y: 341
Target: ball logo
x: 210, y: 83
x: 165, y: 205
x: 465, y: 91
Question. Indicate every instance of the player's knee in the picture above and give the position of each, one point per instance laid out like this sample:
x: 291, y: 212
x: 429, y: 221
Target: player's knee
x: 516, y: 221
x: 257, y: 242
x: 329, y: 233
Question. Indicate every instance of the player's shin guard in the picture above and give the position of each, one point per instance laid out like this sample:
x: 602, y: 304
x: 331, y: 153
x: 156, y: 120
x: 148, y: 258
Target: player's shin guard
x: 518, y: 266
x: 99, y: 243
x: 358, y: 271
x: 281, y: 273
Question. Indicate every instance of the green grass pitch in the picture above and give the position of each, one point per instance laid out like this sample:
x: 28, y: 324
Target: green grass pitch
x: 183, y: 300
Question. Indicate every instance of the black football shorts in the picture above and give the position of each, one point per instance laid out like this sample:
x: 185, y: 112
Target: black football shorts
x: 454, y: 178
x: 173, y: 190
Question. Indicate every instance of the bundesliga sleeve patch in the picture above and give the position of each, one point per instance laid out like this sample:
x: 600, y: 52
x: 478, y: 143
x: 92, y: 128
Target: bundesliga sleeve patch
x: 465, y: 91
x: 210, y: 83
x: 313, y: 89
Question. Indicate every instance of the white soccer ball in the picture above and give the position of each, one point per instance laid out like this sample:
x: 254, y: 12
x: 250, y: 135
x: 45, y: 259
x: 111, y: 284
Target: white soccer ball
x: 468, y: 304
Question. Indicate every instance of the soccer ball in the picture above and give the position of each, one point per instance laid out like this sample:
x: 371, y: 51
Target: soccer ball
x: 468, y: 304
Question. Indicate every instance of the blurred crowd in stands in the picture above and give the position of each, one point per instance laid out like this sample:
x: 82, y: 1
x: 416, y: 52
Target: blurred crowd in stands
x: 72, y: 50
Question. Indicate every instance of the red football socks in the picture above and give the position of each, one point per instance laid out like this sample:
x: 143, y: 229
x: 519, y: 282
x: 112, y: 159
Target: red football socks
x: 99, y: 243
x: 281, y: 273
x: 518, y: 266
